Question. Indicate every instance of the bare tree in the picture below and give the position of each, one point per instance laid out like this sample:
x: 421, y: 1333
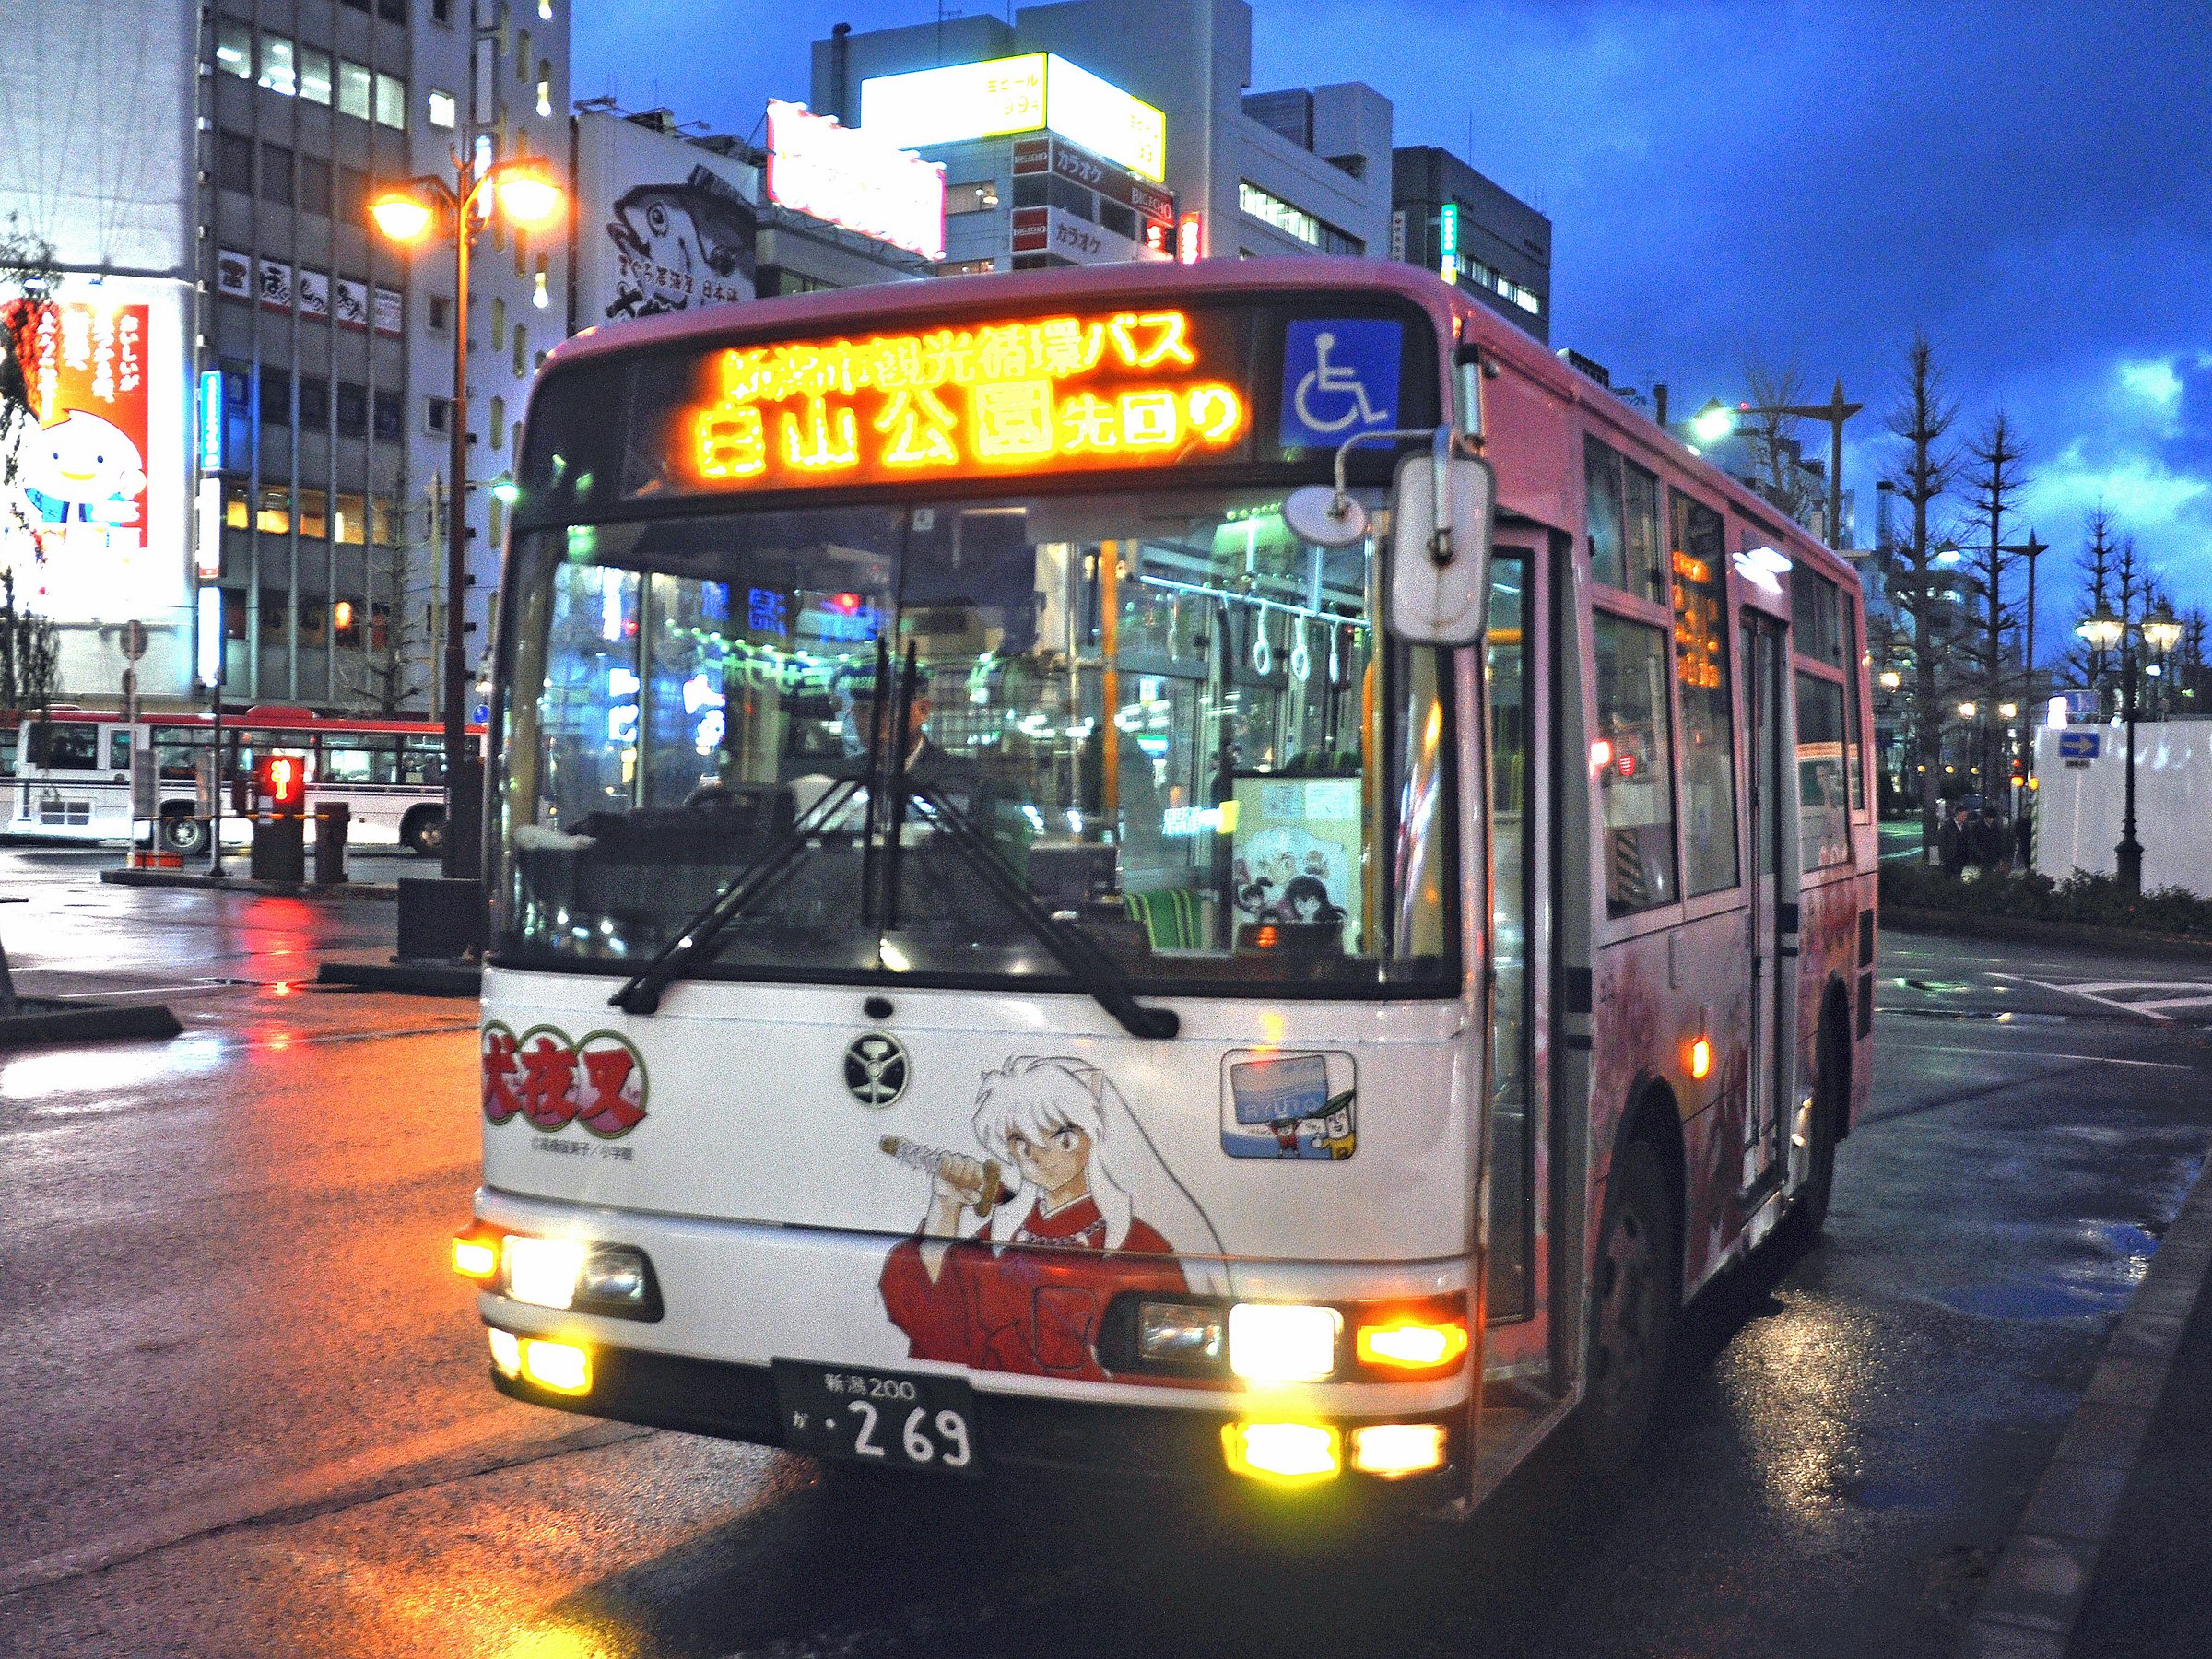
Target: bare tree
x: 1922, y: 590
x: 1993, y: 486
x: 392, y: 677
x: 2084, y: 661
x: 31, y: 653
x: 1777, y: 452
x: 27, y: 277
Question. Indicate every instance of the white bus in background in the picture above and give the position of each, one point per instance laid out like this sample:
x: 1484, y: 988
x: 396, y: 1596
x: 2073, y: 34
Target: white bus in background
x: 67, y: 774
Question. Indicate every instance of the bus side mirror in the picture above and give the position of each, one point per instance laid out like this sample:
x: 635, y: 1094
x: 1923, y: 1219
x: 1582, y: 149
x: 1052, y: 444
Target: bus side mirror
x: 1439, y: 557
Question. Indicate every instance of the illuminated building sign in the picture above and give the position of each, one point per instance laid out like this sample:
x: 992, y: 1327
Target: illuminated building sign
x: 1070, y: 393
x: 855, y: 180
x: 1447, y: 257
x: 211, y: 420
x: 1040, y: 92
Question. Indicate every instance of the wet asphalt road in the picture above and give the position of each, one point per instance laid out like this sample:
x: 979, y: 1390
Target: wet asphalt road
x: 245, y: 1410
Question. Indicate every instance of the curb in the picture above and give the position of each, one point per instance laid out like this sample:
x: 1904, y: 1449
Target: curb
x: 80, y: 1022
x: 419, y: 978
x: 385, y: 890
x: 2082, y: 935
x: 2036, y: 1591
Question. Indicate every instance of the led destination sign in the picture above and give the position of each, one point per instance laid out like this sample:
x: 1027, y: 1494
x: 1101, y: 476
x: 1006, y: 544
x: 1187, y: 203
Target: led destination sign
x: 1135, y: 388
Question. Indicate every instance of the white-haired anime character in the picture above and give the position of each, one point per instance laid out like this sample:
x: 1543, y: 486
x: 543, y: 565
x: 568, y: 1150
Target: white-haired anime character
x: 1018, y: 1254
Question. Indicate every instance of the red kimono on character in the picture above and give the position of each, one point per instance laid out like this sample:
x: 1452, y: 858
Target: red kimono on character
x: 1028, y: 1297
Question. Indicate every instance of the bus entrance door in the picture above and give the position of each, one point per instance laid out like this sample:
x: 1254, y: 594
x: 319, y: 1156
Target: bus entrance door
x: 1764, y: 660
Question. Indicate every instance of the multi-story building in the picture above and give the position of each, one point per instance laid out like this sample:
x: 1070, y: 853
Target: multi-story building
x: 1449, y: 217
x: 202, y: 174
x: 1098, y: 131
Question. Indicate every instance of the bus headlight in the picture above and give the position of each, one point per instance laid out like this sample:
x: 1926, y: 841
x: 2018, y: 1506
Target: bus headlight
x: 506, y: 1352
x: 543, y: 1270
x: 1281, y: 1342
x: 560, y: 1367
x: 1180, y: 1332
x: 1392, y: 1450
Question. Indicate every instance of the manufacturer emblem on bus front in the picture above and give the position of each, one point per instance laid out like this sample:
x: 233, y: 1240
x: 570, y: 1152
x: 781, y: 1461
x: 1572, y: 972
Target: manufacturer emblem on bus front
x: 876, y: 1069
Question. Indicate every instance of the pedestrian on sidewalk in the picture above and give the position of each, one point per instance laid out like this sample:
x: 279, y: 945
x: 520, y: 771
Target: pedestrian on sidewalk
x: 1989, y: 843
x: 2023, y: 840
x: 1951, y: 843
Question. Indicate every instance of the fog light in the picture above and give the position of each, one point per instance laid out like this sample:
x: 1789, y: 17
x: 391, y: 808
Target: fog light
x: 1275, y: 1342
x: 1180, y: 1332
x: 506, y: 1352
x: 561, y: 1366
x: 1391, y: 1449
x: 477, y: 1256
x: 543, y: 1270
x: 1283, y: 1454
x: 614, y: 1273
x: 1412, y: 1344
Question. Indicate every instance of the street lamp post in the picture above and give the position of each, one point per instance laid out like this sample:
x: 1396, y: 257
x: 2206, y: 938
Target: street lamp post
x: 525, y: 191
x: 2161, y: 632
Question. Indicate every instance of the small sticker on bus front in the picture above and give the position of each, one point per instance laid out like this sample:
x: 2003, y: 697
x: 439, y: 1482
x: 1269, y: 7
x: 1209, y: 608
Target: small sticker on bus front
x: 1286, y: 1105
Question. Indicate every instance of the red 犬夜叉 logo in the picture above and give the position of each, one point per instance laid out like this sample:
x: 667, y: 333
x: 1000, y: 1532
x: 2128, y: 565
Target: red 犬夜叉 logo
x: 550, y: 1081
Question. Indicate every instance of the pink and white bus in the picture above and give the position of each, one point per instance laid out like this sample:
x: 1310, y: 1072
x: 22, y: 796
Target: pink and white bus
x: 1028, y: 932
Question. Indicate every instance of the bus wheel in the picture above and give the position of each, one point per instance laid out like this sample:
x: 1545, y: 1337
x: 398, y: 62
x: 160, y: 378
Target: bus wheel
x: 423, y: 831
x: 181, y: 832
x: 1632, y: 1302
x: 1808, y: 1216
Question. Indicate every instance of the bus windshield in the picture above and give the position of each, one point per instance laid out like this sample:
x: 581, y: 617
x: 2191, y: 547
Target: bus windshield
x: 1161, y: 711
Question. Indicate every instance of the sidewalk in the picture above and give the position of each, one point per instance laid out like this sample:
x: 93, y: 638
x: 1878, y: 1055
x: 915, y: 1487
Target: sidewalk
x: 125, y: 877
x: 2111, y: 1555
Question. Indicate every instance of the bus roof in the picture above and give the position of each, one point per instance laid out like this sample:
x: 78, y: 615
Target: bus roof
x: 1455, y: 314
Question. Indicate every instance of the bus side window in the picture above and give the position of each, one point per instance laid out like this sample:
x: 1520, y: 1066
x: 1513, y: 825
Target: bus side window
x: 60, y: 747
x: 1632, y: 766
x: 360, y: 759
x: 119, y: 749
x: 7, y: 752
x: 1708, y: 723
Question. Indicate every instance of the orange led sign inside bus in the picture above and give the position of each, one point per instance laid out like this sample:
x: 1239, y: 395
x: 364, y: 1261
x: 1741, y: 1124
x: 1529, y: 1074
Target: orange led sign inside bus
x: 1130, y: 389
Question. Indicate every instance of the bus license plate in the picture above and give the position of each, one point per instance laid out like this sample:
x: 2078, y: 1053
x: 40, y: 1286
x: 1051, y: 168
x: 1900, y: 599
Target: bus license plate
x: 887, y: 1418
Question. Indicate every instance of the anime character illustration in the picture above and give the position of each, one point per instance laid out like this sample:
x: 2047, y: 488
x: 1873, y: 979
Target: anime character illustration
x: 1306, y: 899
x: 681, y: 245
x: 1289, y: 874
x: 1020, y: 1250
x: 84, y: 469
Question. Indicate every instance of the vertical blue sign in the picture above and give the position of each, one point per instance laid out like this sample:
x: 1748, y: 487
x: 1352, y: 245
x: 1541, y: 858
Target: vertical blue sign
x: 211, y: 420
x: 1447, y: 236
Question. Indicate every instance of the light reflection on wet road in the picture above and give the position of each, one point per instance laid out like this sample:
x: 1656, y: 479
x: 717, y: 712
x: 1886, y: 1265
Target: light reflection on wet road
x: 222, y: 1300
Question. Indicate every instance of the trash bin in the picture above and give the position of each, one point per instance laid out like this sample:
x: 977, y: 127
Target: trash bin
x: 333, y: 823
x: 280, y: 847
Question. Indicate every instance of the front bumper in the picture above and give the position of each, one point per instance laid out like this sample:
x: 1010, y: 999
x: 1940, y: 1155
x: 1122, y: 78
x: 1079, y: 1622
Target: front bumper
x: 1021, y: 1432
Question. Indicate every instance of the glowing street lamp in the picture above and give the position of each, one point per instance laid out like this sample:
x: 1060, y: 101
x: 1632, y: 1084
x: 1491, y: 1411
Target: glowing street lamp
x: 1715, y: 421
x: 1966, y: 711
x: 527, y: 194
x: 2161, y: 630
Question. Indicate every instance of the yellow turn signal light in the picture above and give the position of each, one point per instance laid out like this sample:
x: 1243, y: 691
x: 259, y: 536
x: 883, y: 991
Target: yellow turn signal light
x: 1701, y: 1059
x: 1283, y: 1454
x: 477, y: 1253
x: 561, y: 1367
x: 1413, y: 1344
x: 1392, y: 1450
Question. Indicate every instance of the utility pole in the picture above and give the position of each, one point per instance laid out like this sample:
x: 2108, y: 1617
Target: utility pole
x: 1835, y: 412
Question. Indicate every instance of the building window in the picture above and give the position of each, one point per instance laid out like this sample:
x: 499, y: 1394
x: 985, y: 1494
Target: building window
x: 389, y: 418
x: 314, y: 76
x: 353, y: 409
x: 444, y: 111
x: 498, y: 423
x: 440, y: 313
x: 234, y: 503
x: 355, y: 87
x: 277, y: 71
x: 273, y: 514
x: 545, y: 87
x: 441, y: 11
x: 967, y: 267
x: 498, y: 323
x: 234, y: 162
x: 315, y: 403
x: 545, y: 9
x: 521, y: 55
x: 314, y: 185
x: 315, y: 515
x: 351, y: 524
x: 521, y: 349
x: 391, y: 11
x: 276, y: 175
x: 390, y: 100
x: 275, y: 396
x: 981, y: 196
x: 1316, y: 234
x: 234, y: 48
x: 437, y: 416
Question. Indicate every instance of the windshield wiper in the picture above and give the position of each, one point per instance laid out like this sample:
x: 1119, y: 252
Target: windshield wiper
x: 1087, y: 965
x: 642, y: 993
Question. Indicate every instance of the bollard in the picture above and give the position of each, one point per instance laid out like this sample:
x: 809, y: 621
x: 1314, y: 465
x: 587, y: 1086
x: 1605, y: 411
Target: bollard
x: 280, y: 847
x: 333, y: 823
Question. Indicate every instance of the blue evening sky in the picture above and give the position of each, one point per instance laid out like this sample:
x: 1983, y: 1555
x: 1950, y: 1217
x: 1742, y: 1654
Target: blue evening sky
x: 2029, y: 183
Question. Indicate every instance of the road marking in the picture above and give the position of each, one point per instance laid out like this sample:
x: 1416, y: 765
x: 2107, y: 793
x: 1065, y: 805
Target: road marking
x: 476, y: 1445
x: 1990, y: 1053
x: 2098, y: 991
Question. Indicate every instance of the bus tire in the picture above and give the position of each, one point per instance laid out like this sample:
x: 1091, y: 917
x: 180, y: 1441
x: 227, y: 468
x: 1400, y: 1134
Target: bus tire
x: 422, y: 831
x: 1831, y: 1084
x: 182, y: 832
x: 1633, y: 1297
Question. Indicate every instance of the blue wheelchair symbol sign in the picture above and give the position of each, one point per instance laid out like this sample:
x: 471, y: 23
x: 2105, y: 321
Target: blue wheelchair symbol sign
x: 1340, y: 377
x: 2078, y: 745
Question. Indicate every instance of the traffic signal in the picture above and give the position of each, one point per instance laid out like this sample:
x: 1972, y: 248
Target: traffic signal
x: 281, y: 780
